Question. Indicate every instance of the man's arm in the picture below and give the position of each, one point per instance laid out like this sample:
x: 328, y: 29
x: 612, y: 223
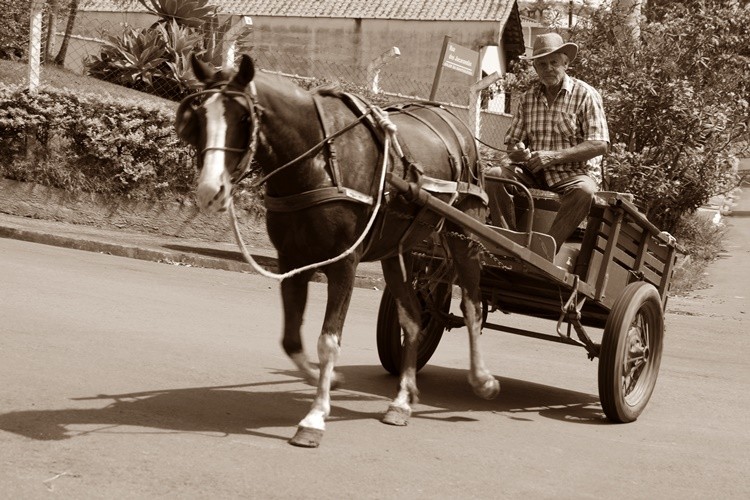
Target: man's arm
x: 578, y: 153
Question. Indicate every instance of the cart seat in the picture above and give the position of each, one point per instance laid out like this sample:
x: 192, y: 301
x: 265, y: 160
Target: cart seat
x: 540, y: 243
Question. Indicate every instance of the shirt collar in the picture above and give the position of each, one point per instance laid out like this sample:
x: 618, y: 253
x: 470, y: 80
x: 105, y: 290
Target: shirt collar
x: 567, y: 85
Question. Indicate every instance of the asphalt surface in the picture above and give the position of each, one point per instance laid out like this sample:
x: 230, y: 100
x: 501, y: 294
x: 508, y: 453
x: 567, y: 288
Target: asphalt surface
x: 169, y: 250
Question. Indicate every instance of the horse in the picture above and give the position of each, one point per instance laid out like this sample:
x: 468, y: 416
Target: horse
x: 322, y: 154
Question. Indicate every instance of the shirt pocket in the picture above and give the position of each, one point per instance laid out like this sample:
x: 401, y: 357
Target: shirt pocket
x: 567, y: 127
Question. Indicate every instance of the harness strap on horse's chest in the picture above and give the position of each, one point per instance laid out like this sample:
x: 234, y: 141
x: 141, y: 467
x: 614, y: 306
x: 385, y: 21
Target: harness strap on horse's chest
x: 337, y: 192
x: 333, y: 162
x: 315, y: 197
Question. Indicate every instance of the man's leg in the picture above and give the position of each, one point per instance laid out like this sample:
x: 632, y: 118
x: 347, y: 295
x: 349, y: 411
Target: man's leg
x: 502, y: 209
x: 576, y: 195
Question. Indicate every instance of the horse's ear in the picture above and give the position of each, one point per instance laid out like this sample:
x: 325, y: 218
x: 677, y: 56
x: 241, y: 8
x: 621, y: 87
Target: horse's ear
x: 203, y: 72
x: 246, y: 72
x: 186, y: 123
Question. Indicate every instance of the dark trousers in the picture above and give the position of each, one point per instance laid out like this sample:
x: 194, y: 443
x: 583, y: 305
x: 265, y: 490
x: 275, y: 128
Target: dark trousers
x: 576, y: 194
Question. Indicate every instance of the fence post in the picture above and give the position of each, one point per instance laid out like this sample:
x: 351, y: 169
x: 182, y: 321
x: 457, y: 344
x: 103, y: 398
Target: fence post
x: 475, y: 92
x: 229, y: 52
x: 373, y: 69
x: 35, y: 45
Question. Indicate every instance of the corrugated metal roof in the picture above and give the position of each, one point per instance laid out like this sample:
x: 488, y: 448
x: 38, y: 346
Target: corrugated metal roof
x: 443, y: 10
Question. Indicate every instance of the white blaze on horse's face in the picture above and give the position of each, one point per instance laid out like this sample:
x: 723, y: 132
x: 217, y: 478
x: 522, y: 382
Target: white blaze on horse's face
x: 214, y: 183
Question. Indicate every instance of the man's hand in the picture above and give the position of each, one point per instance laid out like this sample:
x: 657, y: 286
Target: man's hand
x: 542, y: 159
x: 519, y: 153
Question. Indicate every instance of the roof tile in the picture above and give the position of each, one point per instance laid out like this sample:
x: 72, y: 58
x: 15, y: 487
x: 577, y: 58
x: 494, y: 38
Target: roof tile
x: 444, y: 10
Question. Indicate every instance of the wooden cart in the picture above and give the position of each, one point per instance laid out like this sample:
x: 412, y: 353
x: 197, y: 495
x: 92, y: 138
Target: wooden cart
x: 616, y: 277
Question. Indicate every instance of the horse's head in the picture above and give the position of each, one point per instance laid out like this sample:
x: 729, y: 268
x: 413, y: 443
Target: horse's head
x: 220, y: 122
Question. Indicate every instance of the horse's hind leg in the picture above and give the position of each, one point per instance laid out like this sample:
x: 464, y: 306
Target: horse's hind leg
x: 340, y: 285
x: 409, y: 315
x: 468, y: 270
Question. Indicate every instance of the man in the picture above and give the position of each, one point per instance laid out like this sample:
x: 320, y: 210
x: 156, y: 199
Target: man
x: 560, y: 133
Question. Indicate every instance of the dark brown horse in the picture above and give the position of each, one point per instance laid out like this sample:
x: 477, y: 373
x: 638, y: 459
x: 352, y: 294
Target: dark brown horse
x: 324, y: 154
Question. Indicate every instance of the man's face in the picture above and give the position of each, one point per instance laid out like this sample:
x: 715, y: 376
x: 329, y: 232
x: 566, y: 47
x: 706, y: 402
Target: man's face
x: 551, y: 69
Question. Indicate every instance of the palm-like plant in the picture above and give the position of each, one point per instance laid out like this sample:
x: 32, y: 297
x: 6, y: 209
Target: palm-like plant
x: 192, y: 13
x: 156, y: 59
x: 131, y: 58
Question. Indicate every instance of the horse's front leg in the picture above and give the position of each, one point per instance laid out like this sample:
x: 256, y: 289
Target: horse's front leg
x: 468, y: 270
x: 340, y: 285
x: 409, y: 317
x: 294, y: 298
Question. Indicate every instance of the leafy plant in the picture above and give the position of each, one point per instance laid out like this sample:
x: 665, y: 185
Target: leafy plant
x: 153, y: 60
x: 81, y: 142
x: 156, y: 59
x: 14, y: 37
x: 190, y: 13
x: 676, y: 102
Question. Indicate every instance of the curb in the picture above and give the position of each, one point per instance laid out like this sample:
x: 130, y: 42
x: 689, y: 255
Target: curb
x: 173, y: 257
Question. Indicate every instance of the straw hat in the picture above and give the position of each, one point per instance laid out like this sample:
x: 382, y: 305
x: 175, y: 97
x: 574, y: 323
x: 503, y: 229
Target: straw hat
x: 549, y: 43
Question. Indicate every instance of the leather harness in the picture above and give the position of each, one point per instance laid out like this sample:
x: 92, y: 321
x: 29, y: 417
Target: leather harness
x: 461, y: 170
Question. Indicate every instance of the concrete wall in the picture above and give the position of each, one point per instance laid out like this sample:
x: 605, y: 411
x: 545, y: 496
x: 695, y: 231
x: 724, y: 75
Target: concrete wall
x: 354, y: 43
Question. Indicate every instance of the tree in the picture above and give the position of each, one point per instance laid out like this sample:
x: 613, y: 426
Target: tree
x: 52, y: 8
x: 675, y: 98
x: 72, y: 12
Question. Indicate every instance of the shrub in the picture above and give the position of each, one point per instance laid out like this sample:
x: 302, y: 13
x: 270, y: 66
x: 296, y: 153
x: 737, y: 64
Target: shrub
x: 84, y: 142
x: 676, y: 102
x: 14, y: 37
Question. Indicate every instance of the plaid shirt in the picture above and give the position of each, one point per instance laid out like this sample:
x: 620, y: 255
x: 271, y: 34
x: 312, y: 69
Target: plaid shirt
x: 575, y: 116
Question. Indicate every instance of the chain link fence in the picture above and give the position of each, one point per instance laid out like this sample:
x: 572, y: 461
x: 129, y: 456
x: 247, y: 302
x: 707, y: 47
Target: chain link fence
x: 135, y: 50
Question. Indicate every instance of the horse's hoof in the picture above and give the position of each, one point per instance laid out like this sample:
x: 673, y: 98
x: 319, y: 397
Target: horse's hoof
x: 307, y: 437
x: 489, y: 389
x: 396, y: 415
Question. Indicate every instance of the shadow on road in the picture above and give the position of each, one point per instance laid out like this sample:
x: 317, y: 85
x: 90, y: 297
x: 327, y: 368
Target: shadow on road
x: 250, y: 408
x: 447, y: 391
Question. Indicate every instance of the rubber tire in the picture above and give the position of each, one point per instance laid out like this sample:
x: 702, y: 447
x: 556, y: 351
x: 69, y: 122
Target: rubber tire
x: 638, y: 300
x: 389, y: 335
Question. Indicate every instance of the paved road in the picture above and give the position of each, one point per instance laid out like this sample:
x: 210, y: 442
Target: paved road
x: 125, y: 378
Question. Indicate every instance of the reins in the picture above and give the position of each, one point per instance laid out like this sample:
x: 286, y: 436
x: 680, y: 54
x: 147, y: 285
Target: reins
x: 383, y: 121
x: 249, y: 258
x: 309, y: 152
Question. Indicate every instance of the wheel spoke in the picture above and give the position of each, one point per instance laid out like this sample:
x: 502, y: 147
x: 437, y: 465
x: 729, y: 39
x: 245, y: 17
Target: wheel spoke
x: 637, y: 355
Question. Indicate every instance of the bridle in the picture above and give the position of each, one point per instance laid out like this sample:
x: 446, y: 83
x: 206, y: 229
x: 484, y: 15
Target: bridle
x: 254, y: 111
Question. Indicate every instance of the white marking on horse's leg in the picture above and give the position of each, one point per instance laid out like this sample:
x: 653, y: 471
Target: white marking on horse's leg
x: 408, y: 308
x: 328, y: 352
x: 399, y: 410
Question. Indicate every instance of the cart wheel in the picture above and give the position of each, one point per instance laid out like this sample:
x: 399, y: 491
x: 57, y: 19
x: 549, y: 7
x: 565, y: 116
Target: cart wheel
x: 390, y: 336
x: 631, y: 352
